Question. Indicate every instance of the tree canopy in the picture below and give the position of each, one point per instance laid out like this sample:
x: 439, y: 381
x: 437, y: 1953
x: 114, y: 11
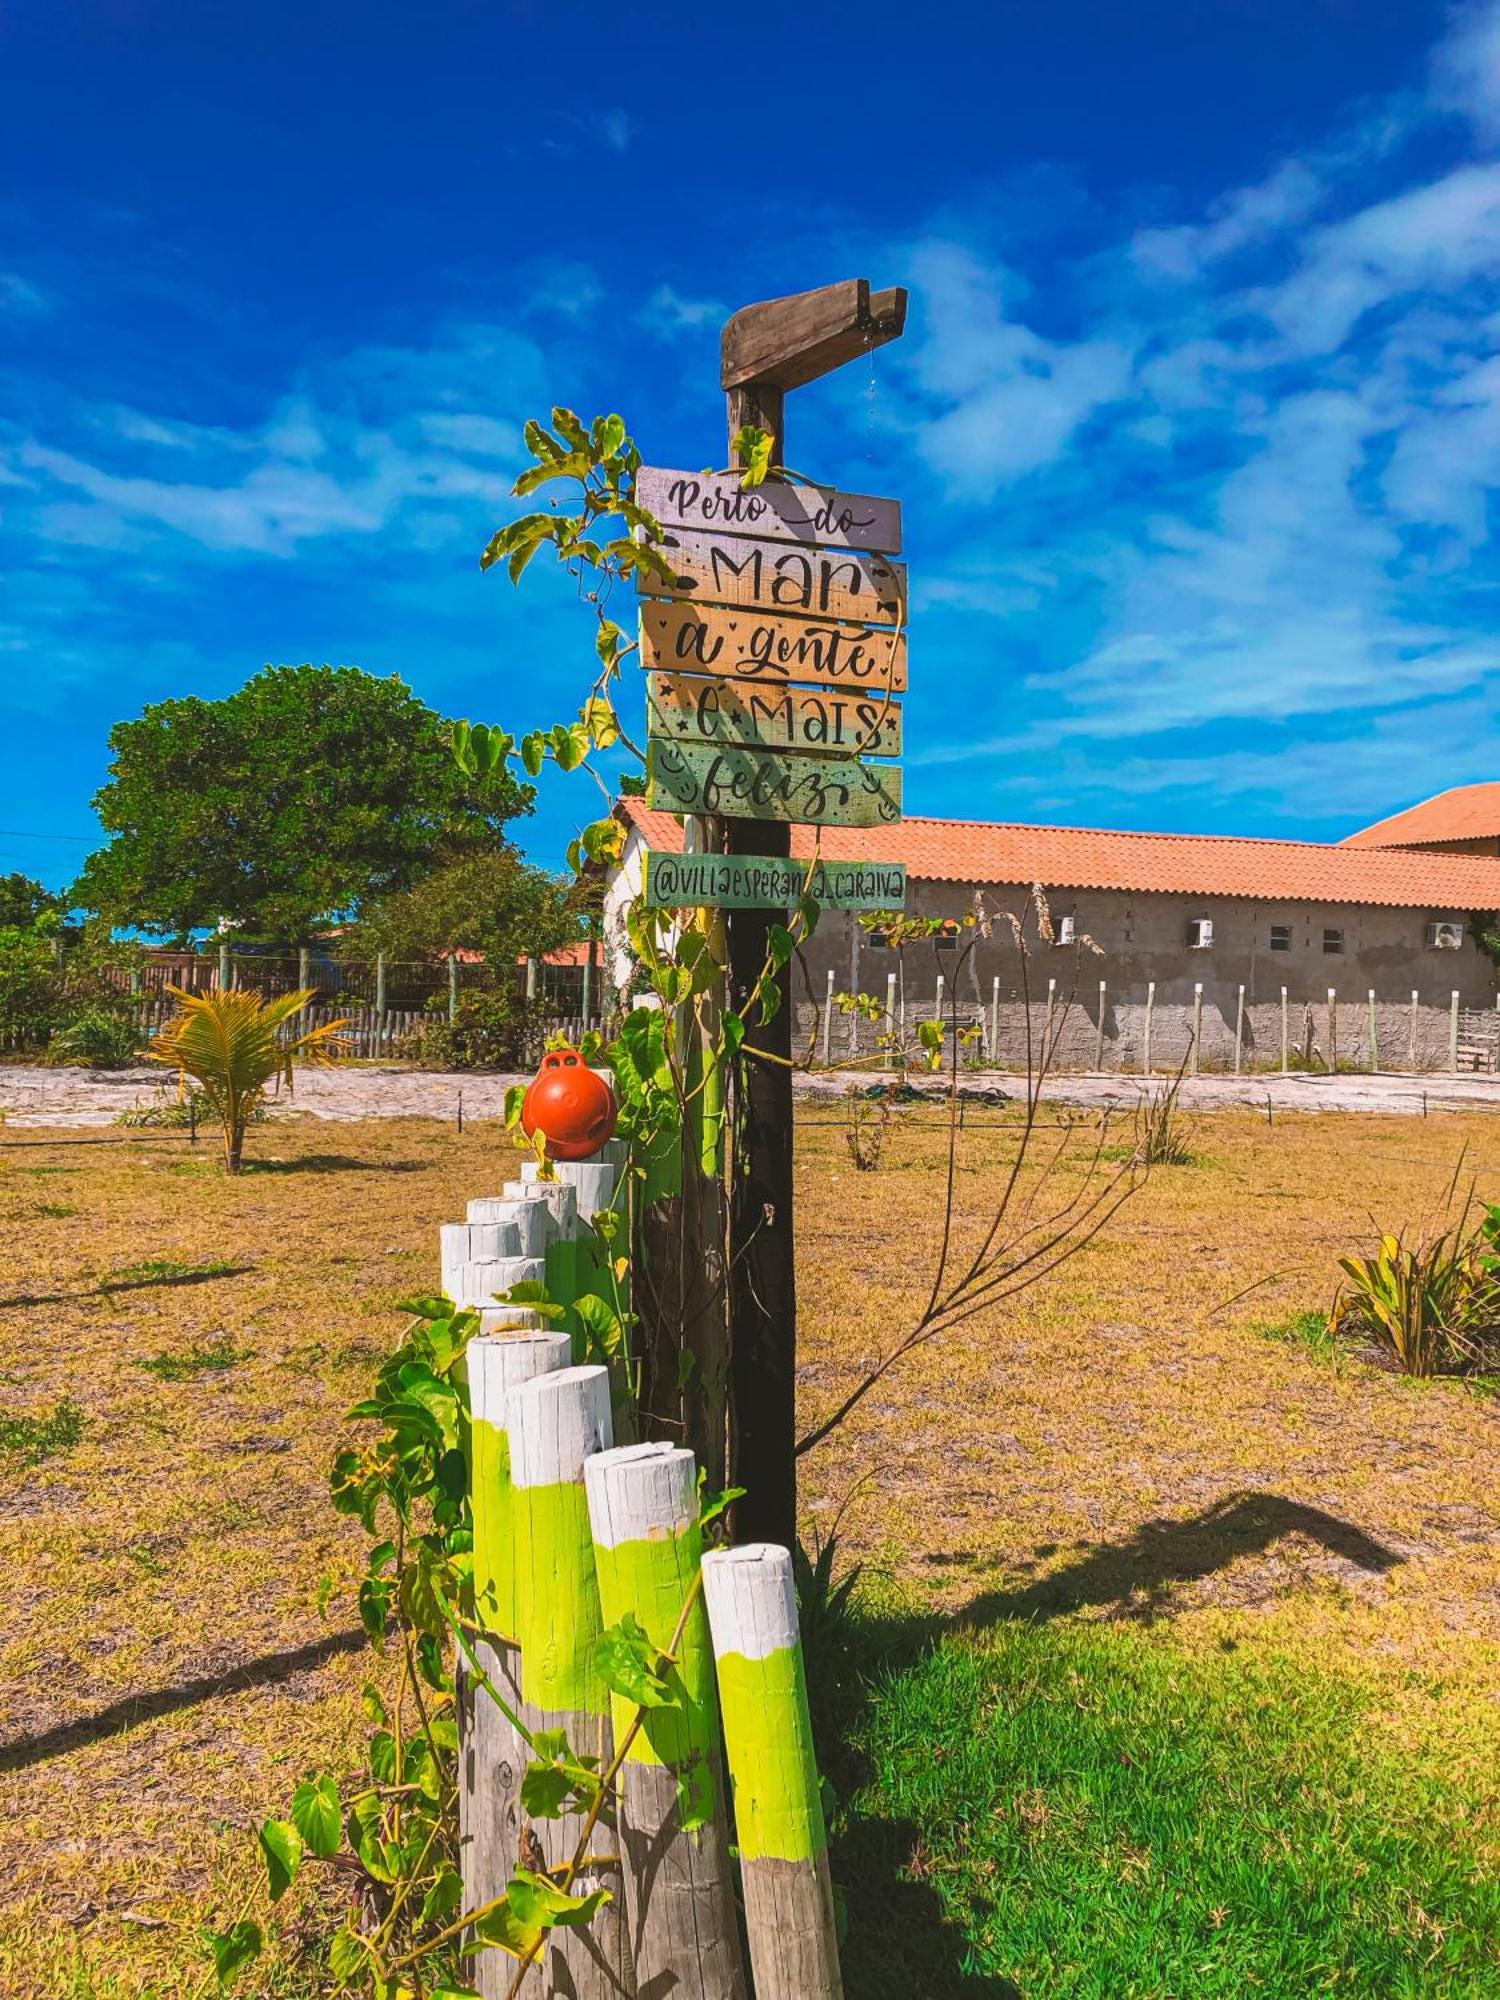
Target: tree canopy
x: 495, y: 903
x: 296, y: 800
x: 23, y: 901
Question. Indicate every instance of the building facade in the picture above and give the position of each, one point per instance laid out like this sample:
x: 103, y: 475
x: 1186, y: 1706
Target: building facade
x: 1247, y: 937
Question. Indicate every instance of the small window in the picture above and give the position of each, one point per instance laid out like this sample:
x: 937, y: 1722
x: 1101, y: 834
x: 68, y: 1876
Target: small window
x: 879, y: 940
x: 947, y: 937
x: 1333, y: 941
x: 1281, y: 937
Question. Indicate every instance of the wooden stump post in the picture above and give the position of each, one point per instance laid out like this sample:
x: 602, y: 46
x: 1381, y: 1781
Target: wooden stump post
x: 554, y: 1423
x: 1099, y: 1031
x: 828, y: 1021
x: 752, y: 1612
x: 1333, y: 1031
x: 1146, y: 1037
x: 995, y: 1018
x: 891, y: 1025
x: 1239, y: 1030
x: 679, y: 1893
x: 1197, y: 1026
x: 1374, y: 1046
x: 492, y: 1757
x: 1453, y: 1033
x: 1285, y: 1053
x: 1411, y: 1032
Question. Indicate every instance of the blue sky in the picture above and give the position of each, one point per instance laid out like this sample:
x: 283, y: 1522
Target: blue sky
x: 1196, y: 422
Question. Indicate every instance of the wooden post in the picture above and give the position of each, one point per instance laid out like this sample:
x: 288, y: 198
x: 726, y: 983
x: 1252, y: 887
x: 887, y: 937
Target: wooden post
x: 226, y: 969
x: 554, y: 1424
x: 679, y: 1887
x: 304, y: 969
x: 1197, y: 1025
x: 828, y: 1021
x: 1099, y: 1032
x: 752, y: 1609
x: 588, y: 979
x: 890, y: 1004
x: 1453, y: 1034
x: 1146, y: 1039
x: 1411, y: 1032
x: 1333, y: 1031
x: 1239, y: 1030
x: 1047, y: 1024
x: 453, y: 986
x: 937, y: 1000
x: 1285, y: 1051
x: 1374, y: 1049
x: 766, y: 350
x: 380, y: 989
x: 492, y: 1757
x: 995, y: 1019
x: 531, y: 978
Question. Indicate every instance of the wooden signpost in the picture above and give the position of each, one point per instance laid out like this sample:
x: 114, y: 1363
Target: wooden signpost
x: 768, y: 645
x: 786, y: 510
x: 685, y: 709
x: 757, y: 784
x: 770, y: 882
x: 772, y: 576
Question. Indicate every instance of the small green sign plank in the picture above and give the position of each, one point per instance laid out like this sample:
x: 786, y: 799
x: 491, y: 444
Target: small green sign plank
x: 684, y: 708
x: 770, y: 882
x: 764, y: 784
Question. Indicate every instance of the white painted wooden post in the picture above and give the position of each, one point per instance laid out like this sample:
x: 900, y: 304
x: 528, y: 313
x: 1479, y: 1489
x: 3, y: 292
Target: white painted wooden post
x: 226, y: 969
x: 828, y: 1019
x: 1146, y: 1039
x: 1284, y: 1048
x: 531, y: 978
x: 1453, y: 1033
x: 890, y: 1003
x: 937, y: 1005
x: 1239, y: 1029
x: 588, y: 984
x: 1374, y: 1048
x: 679, y: 1887
x: 1047, y: 1025
x: 304, y: 967
x: 995, y: 1018
x: 453, y: 986
x: 789, y: 1915
x: 1197, y: 1023
x: 1333, y: 1031
x: 1099, y: 1032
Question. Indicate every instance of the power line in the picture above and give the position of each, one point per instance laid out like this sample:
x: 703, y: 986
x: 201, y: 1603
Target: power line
x: 22, y: 833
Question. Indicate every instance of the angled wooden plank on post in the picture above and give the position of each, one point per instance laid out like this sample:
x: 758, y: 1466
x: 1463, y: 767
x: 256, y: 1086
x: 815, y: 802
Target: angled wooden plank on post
x: 770, y: 785
x: 783, y: 510
x: 683, y: 708
x: 788, y: 342
x: 780, y: 576
x: 749, y: 645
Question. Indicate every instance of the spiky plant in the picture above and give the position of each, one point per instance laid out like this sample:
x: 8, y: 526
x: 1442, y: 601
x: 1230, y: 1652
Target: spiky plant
x: 233, y: 1047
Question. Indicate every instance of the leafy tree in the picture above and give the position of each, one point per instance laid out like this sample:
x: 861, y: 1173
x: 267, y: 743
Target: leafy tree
x: 297, y: 799
x: 23, y: 901
x: 495, y: 903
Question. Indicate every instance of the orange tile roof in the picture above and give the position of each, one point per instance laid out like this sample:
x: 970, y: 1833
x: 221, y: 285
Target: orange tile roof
x: 1468, y: 812
x: 1067, y: 857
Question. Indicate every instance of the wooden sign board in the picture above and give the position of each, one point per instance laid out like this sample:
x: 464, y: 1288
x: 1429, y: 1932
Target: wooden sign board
x: 773, y: 576
x: 682, y: 709
x: 770, y: 882
x: 745, y: 645
x: 781, y: 510
x: 763, y: 784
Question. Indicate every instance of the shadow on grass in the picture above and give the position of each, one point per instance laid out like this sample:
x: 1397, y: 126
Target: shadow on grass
x: 108, y: 1287
x: 133, y: 1709
x: 333, y: 1163
x: 901, y: 1943
x: 1137, y: 1577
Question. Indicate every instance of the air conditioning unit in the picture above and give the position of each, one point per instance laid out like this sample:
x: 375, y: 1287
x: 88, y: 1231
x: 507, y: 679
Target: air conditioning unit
x: 1067, y: 930
x: 1445, y: 937
x: 1200, y: 933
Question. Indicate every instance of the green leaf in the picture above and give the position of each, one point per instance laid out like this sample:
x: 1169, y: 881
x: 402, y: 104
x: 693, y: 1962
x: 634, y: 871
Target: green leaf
x: 318, y: 1816
x: 234, y: 1949
x: 570, y: 429
x: 502, y: 1927
x: 515, y: 1097
x: 371, y: 1702
x: 540, y: 442
x: 459, y: 741
x: 281, y: 1850
x: 732, y: 1029
x: 630, y: 1665
x: 609, y: 435
x: 780, y: 945
x: 710, y: 1510
x: 348, y: 1955
x: 570, y: 745
x: 541, y: 1905
x: 533, y: 752
x: 602, y: 1324
x: 608, y: 641
x: 753, y: 445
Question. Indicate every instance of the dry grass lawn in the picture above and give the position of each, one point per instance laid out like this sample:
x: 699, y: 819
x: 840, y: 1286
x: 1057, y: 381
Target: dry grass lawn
x: 1121, y: 1445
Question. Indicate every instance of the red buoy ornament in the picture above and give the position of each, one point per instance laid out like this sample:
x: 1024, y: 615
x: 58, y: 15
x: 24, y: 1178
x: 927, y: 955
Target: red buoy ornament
x: 570, y: 1105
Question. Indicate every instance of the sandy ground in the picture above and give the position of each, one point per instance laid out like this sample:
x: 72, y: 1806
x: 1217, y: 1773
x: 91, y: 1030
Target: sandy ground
x: 37, y: 1096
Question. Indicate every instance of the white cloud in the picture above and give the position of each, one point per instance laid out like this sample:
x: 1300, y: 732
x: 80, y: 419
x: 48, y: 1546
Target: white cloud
x: 667, y: 311
x: 1466, y: 66
x: 617, y: 128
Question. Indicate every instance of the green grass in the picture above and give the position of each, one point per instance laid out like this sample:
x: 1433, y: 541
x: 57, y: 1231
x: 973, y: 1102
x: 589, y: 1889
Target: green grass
x: 202, y: 1358
x: 165, y: 1271
x: 33, y: 1438
x: 1064, y: 1811
x: 1307, y: 1329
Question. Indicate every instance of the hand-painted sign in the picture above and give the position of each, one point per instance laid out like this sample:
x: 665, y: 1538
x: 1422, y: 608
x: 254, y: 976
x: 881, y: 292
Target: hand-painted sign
x: 770, y: 882
x: 744, y: 645
x: 759, y: 784
x: 786, y: 510
x: 685, y: 709
x: 773, y: 576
